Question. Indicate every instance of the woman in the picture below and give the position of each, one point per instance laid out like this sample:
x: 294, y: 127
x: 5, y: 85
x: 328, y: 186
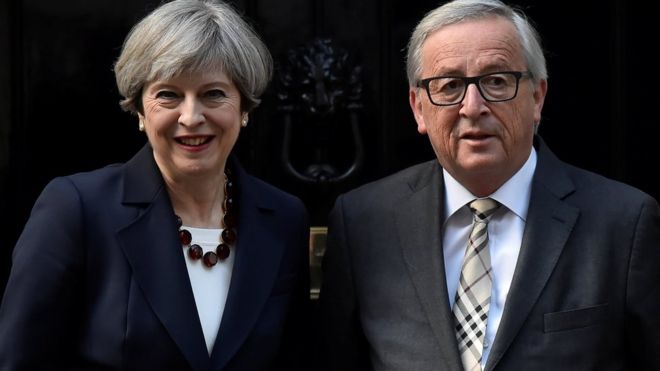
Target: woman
x: 176, y: 260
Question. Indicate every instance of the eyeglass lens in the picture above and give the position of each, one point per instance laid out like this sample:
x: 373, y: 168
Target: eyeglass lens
x: 493, y: 87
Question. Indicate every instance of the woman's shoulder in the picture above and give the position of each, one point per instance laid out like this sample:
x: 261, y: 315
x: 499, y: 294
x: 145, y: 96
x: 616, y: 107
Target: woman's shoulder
x: 111, y: 178
x: 101, y: 186
x: 269, y: 193
x: 93, y: 179
x: 263, y: 193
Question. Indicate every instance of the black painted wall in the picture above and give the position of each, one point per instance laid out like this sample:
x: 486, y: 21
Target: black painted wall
x: 59, y: 111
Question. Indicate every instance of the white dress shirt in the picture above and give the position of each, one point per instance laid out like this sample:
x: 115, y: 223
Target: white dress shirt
x: 505, y: 232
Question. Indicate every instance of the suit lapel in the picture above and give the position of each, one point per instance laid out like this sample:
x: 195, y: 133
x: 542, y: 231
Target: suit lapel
x: 152, y: 248
x: 258, y: 252
x: 419, y: 223
x: 549, y: 223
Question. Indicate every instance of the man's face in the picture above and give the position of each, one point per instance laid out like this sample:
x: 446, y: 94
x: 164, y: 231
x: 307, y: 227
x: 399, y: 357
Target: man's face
x: 480, y: 143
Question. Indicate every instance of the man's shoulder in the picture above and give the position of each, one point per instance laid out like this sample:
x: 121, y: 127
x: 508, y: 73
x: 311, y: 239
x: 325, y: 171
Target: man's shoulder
x: 582, y: 184
x: 599, y: 187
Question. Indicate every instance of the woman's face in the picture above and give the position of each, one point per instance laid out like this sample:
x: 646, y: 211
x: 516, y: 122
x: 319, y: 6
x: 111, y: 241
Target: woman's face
x: 192, y: 122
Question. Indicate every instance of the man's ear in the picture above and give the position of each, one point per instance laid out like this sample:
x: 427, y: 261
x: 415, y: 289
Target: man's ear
x: 415, y: 99
x: 541, y: 89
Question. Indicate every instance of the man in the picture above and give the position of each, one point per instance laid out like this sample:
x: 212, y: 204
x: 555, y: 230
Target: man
x: 554, y: 268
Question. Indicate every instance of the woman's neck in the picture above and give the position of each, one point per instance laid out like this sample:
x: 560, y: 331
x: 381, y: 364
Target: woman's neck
x: 198, y: 200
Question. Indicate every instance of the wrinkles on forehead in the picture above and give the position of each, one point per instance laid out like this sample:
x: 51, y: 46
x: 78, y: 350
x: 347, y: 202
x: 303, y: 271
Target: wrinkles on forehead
x: 471, y: 48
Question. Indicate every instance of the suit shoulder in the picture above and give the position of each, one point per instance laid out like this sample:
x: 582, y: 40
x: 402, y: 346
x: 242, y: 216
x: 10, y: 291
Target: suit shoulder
x: 275, y: 195
x: 84, y: 182
x: 601, y: 185
x: 97, y: 175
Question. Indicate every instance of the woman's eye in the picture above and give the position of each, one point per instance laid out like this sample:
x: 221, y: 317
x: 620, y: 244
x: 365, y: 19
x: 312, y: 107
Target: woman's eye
x: 215, y: 94
x: 165, y: 94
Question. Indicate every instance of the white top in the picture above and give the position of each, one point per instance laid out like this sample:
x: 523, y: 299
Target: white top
x: 505, y: 232
x: 210, y: 285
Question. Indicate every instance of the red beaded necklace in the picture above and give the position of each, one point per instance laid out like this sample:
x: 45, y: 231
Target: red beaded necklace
x: 227, y: 237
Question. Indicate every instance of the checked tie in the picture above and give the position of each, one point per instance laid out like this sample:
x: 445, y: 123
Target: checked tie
x: 473, y: 294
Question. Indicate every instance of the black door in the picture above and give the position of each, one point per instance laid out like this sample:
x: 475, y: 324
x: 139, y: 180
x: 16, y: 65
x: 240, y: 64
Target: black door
x: 59, y: 109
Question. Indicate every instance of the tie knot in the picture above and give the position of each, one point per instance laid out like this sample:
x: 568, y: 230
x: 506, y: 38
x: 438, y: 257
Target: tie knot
x: 483, y: 208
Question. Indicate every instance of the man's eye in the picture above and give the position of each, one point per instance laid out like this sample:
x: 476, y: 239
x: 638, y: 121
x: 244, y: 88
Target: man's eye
x: 453, y: 84
x: 494, y: 81
x: 447, y: 85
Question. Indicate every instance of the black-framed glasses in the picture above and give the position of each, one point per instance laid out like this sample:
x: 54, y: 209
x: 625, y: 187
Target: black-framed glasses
x: 493, y: 87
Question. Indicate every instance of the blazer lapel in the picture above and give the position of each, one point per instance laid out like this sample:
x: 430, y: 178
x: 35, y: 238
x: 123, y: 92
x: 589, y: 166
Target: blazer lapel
x: 549, y: 223
x: 419, y: 224
x: 258, y: 252
x: 151, y: 245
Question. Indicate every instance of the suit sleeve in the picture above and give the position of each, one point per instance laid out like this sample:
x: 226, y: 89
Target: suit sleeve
x: 643, y: 293
x: 39, y: 312
x: 342, y: 344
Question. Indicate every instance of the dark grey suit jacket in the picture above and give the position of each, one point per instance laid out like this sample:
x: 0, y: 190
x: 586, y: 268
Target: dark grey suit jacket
x: 585, y: 293
x: 99, y: 281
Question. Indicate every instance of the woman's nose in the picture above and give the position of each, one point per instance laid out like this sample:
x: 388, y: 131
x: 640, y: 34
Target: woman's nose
x: 191, y: 112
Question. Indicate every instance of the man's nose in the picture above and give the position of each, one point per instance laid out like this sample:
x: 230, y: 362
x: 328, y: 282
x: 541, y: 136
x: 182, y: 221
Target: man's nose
x: 473, y: 103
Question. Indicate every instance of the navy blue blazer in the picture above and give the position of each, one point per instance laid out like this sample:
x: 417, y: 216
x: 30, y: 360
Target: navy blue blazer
x: 99, y: 282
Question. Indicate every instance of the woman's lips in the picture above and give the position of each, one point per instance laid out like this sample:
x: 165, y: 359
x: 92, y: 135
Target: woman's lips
x: 194, y: 143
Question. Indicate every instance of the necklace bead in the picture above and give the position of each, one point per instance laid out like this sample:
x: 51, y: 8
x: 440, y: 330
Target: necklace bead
x: 228, y: 236
x: 210, y: 259
x: 222, y: 251
x: 195, y: 251
x: 185, y: 236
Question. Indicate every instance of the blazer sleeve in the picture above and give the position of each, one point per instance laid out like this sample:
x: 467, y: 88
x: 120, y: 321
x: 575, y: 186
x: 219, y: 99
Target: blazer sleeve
x: 342, y: 344
x: 39, y: 315
x: 643, y: 291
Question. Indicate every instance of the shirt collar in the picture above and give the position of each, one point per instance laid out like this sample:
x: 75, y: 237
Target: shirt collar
x: 509, y: 194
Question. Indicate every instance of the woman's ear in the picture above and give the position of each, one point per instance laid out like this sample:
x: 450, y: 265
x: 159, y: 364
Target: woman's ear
x: 140, y: 121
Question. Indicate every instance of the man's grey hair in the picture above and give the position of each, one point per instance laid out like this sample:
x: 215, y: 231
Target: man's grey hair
x: 465, y: 10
